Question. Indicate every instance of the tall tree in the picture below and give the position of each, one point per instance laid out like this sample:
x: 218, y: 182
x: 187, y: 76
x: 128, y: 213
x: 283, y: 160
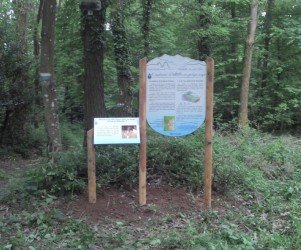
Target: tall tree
x: 124, y: 74
x: 204, y: 24
x: 14, y: 129
x: 93, y: 22
x: 69, y: 58
x: 244, y: 92
x: 47, y: 73
x: 36, y: 53
x: 267, y: 39
x: 145, y: 28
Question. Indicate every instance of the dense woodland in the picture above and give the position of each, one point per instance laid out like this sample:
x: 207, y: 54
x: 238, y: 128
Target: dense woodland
x: 64, y: 62
x: 99, y: 54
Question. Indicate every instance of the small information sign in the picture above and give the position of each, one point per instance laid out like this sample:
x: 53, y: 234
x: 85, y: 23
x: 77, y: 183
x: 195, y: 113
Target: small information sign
x: 176, y: 94
x: 116, y: 130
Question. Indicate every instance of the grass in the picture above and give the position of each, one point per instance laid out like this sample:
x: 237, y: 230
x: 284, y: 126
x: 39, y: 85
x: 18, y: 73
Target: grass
x: 256, y: 175
x: 3, y: 175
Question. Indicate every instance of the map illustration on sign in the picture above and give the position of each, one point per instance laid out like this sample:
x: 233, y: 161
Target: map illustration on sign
x: 176, y: 95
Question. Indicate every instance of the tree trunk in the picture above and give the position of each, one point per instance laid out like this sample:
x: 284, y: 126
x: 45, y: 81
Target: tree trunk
x: 36, y: 52
x: 14, y: 131
x: 145, y: 28
x: 48, y: 85
x: 203, y: 40
x: 233, y: 46
x: 93, y: 22
x: 124, y: 75
x: 244, y: 92
x: 267, y: 38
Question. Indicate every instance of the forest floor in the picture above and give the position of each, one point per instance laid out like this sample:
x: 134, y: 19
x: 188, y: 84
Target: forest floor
x: 10, y: 166
x: 122, y: 205
x: 260, y: 210
x: 116, y: 217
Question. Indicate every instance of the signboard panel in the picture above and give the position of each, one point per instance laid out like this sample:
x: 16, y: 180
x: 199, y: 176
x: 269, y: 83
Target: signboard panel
x: 116, y: 130
x: 176, y: 94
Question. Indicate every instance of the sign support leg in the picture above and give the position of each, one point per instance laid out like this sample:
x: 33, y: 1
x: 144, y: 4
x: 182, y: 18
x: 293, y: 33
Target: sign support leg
x: 208, y: 133
x: 91, y: 167
x: 142, y: 117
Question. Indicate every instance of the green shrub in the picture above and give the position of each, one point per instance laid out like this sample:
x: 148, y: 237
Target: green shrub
x: 59, y: 178
x: 247, y: 159
x: 117, y: 164
x: 242, y: 161
x: 34, y: 142
x: 179, y: 160
x: 72, y: 135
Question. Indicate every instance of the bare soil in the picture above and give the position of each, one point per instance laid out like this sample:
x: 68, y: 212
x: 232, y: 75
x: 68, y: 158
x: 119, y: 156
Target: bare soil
x: 123, y: 205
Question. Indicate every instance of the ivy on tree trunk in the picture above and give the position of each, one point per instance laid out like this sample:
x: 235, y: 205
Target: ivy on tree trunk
x: 121, y: 49
x: 93, y: 22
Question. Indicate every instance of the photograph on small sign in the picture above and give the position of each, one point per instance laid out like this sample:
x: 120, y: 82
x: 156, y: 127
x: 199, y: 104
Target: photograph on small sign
x: 129, y: 132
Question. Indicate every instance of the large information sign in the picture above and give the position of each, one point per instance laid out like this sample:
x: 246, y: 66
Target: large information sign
x: 116, y: 130
x: 176, y: 94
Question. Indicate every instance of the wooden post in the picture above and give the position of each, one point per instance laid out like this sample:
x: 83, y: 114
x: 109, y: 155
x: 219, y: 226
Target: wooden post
x: 208, y: 131
x: 142, y: 121
x: 91, y: 167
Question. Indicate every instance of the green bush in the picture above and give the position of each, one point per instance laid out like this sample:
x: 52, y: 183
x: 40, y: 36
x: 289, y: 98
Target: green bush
x: 72, y: 135
x: 46, y: 178
x: 116, y: 164
x: 179, y: 160
x: 61, y: 177
x: 247, y: 159
x: 33, y: 142
x: 242, y: 161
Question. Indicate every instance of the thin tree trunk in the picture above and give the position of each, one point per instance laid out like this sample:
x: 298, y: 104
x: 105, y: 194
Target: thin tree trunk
x: 93, y: 42
x: 203, y: 46
x: 267, y: 38
x: 233, y: 46
x: 145, y: 28
x: 48, y: 86
x: 244, y: 92
x: 124, y: 75
x: 14, y: 131
x: 36, y: 52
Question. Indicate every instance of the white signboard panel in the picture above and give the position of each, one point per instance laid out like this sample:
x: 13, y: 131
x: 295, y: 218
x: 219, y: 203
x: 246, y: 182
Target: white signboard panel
x: 116, y: 130
x: 176, y: 94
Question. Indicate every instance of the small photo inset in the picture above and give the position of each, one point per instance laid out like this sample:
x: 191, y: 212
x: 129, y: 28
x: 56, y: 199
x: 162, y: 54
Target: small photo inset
x: 190, y: 97
x: 169, y: 123
x: 129, y: 131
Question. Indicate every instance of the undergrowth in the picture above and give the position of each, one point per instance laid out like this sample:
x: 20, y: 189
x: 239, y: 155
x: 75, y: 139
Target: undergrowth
x: 258, y: 175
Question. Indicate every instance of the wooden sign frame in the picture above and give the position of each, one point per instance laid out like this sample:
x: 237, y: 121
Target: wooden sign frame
x: 142, y: 151
x: 208, y: 133
x: 143, y: 139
